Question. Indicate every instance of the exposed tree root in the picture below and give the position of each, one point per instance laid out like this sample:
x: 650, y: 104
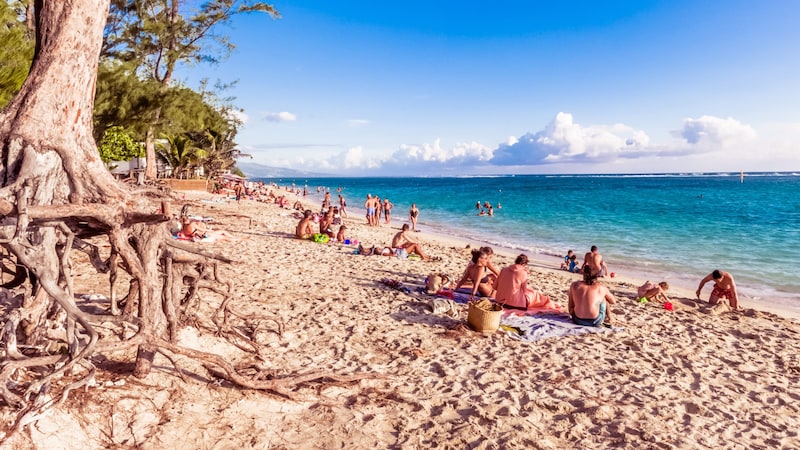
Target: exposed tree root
x: 56, y: 194
x: 33, y: 381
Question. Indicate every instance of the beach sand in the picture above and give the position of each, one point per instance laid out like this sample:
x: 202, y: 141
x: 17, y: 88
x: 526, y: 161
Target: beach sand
x: 695, y: 377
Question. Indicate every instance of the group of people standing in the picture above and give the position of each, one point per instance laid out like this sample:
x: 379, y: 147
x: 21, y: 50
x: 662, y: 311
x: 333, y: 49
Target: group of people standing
x: 375, y: 207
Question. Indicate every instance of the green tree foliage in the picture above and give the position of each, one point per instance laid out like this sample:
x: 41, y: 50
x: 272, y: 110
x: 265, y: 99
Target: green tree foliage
x: 123, y: 99
x: 218, y: 136
x: 154, y: 36
x: 117, y: 145
x: 16, y: 49
x: 180, y: 153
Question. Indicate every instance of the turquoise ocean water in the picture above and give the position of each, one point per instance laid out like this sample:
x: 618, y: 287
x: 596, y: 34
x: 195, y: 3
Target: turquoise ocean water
x: 676, y: 227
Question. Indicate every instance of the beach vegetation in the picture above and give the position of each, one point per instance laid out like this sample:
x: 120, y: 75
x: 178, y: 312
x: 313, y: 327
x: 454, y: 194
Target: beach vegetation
x: 158, y: 36
x: 181, y: 154
x: 117, y: 145
x: 16, y: 50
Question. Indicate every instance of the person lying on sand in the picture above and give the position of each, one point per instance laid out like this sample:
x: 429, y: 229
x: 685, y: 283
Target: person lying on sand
x: 589, y: 299
x: 304, y: 230
x: 200, y: 232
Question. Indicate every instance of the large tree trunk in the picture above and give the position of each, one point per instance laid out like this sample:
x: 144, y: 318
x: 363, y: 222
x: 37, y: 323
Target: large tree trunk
x: 46, y: 129
x: 51, y: 175
x: 151, y: 170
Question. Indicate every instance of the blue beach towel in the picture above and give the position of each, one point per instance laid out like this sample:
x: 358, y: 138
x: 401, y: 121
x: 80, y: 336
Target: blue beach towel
x: 545, y: 325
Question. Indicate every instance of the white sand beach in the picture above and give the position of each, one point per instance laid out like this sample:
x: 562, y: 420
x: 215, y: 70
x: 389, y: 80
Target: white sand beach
x: 402, y: 377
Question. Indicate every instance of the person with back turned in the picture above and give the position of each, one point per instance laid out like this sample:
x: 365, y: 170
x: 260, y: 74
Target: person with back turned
x: 589, y: 300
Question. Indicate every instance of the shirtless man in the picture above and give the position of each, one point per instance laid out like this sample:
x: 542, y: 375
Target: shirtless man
x: 594, y: 259
x: 588, y: 300
x: 401, y: 241
x: 200, y: 232
x: 724, y: 286
x: 370, y: 205
x: 387, y: 210
x: 304, y: 230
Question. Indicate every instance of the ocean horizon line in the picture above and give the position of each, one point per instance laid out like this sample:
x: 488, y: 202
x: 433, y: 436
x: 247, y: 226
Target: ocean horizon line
x: 788, y: 173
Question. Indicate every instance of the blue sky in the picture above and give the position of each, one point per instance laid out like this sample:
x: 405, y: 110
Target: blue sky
x: 446, y: 88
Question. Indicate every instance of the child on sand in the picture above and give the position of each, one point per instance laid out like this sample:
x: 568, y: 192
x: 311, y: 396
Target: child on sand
x: 340, y: 234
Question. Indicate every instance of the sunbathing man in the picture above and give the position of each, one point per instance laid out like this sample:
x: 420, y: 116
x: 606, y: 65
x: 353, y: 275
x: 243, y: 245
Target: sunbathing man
x: 588, y: 300
x: 401, y: 241
x: 304, y: 230
x: 200, y: 231
x: 724, y: 286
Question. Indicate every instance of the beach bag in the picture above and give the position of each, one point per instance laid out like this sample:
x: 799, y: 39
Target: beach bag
x: 444, y: 306
x: 436, y: 282
x: 321, y: 238
x: 484, y: 316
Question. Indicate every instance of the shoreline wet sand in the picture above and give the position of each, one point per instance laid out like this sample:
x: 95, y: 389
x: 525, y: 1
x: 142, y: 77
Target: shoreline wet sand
x: 693, y: 377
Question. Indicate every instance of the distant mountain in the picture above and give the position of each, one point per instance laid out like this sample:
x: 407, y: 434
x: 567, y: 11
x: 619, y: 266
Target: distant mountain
x: 255, y: 170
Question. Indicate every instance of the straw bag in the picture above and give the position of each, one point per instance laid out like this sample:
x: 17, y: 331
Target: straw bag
x: 484, y: 316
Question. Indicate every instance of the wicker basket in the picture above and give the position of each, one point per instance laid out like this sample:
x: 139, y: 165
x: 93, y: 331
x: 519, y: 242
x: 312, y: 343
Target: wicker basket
x: 485, y: 321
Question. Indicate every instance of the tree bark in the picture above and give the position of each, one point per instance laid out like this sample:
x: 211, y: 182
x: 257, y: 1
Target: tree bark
x: 46, y: 130
x: 51, y: 171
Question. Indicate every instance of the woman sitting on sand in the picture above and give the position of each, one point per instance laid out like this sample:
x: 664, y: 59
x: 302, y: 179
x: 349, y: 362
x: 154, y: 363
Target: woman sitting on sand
x: 475, y: 275
x: 493, y: 272
x: 513, y: 292
x: 652, y: 291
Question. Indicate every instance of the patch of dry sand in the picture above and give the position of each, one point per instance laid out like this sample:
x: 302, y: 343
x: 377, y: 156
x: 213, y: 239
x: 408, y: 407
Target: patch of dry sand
x: 697, y: 377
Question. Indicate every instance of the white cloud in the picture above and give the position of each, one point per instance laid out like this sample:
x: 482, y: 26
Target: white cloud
x: 280, y: 117
x: 239, y: 115
x: 357, y: 122
x: 564, y: 146
x: 462, y: 154
x: 354, y: 158
x: 407, y: 160
x: 714, y: 133
x: 562, y: 140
